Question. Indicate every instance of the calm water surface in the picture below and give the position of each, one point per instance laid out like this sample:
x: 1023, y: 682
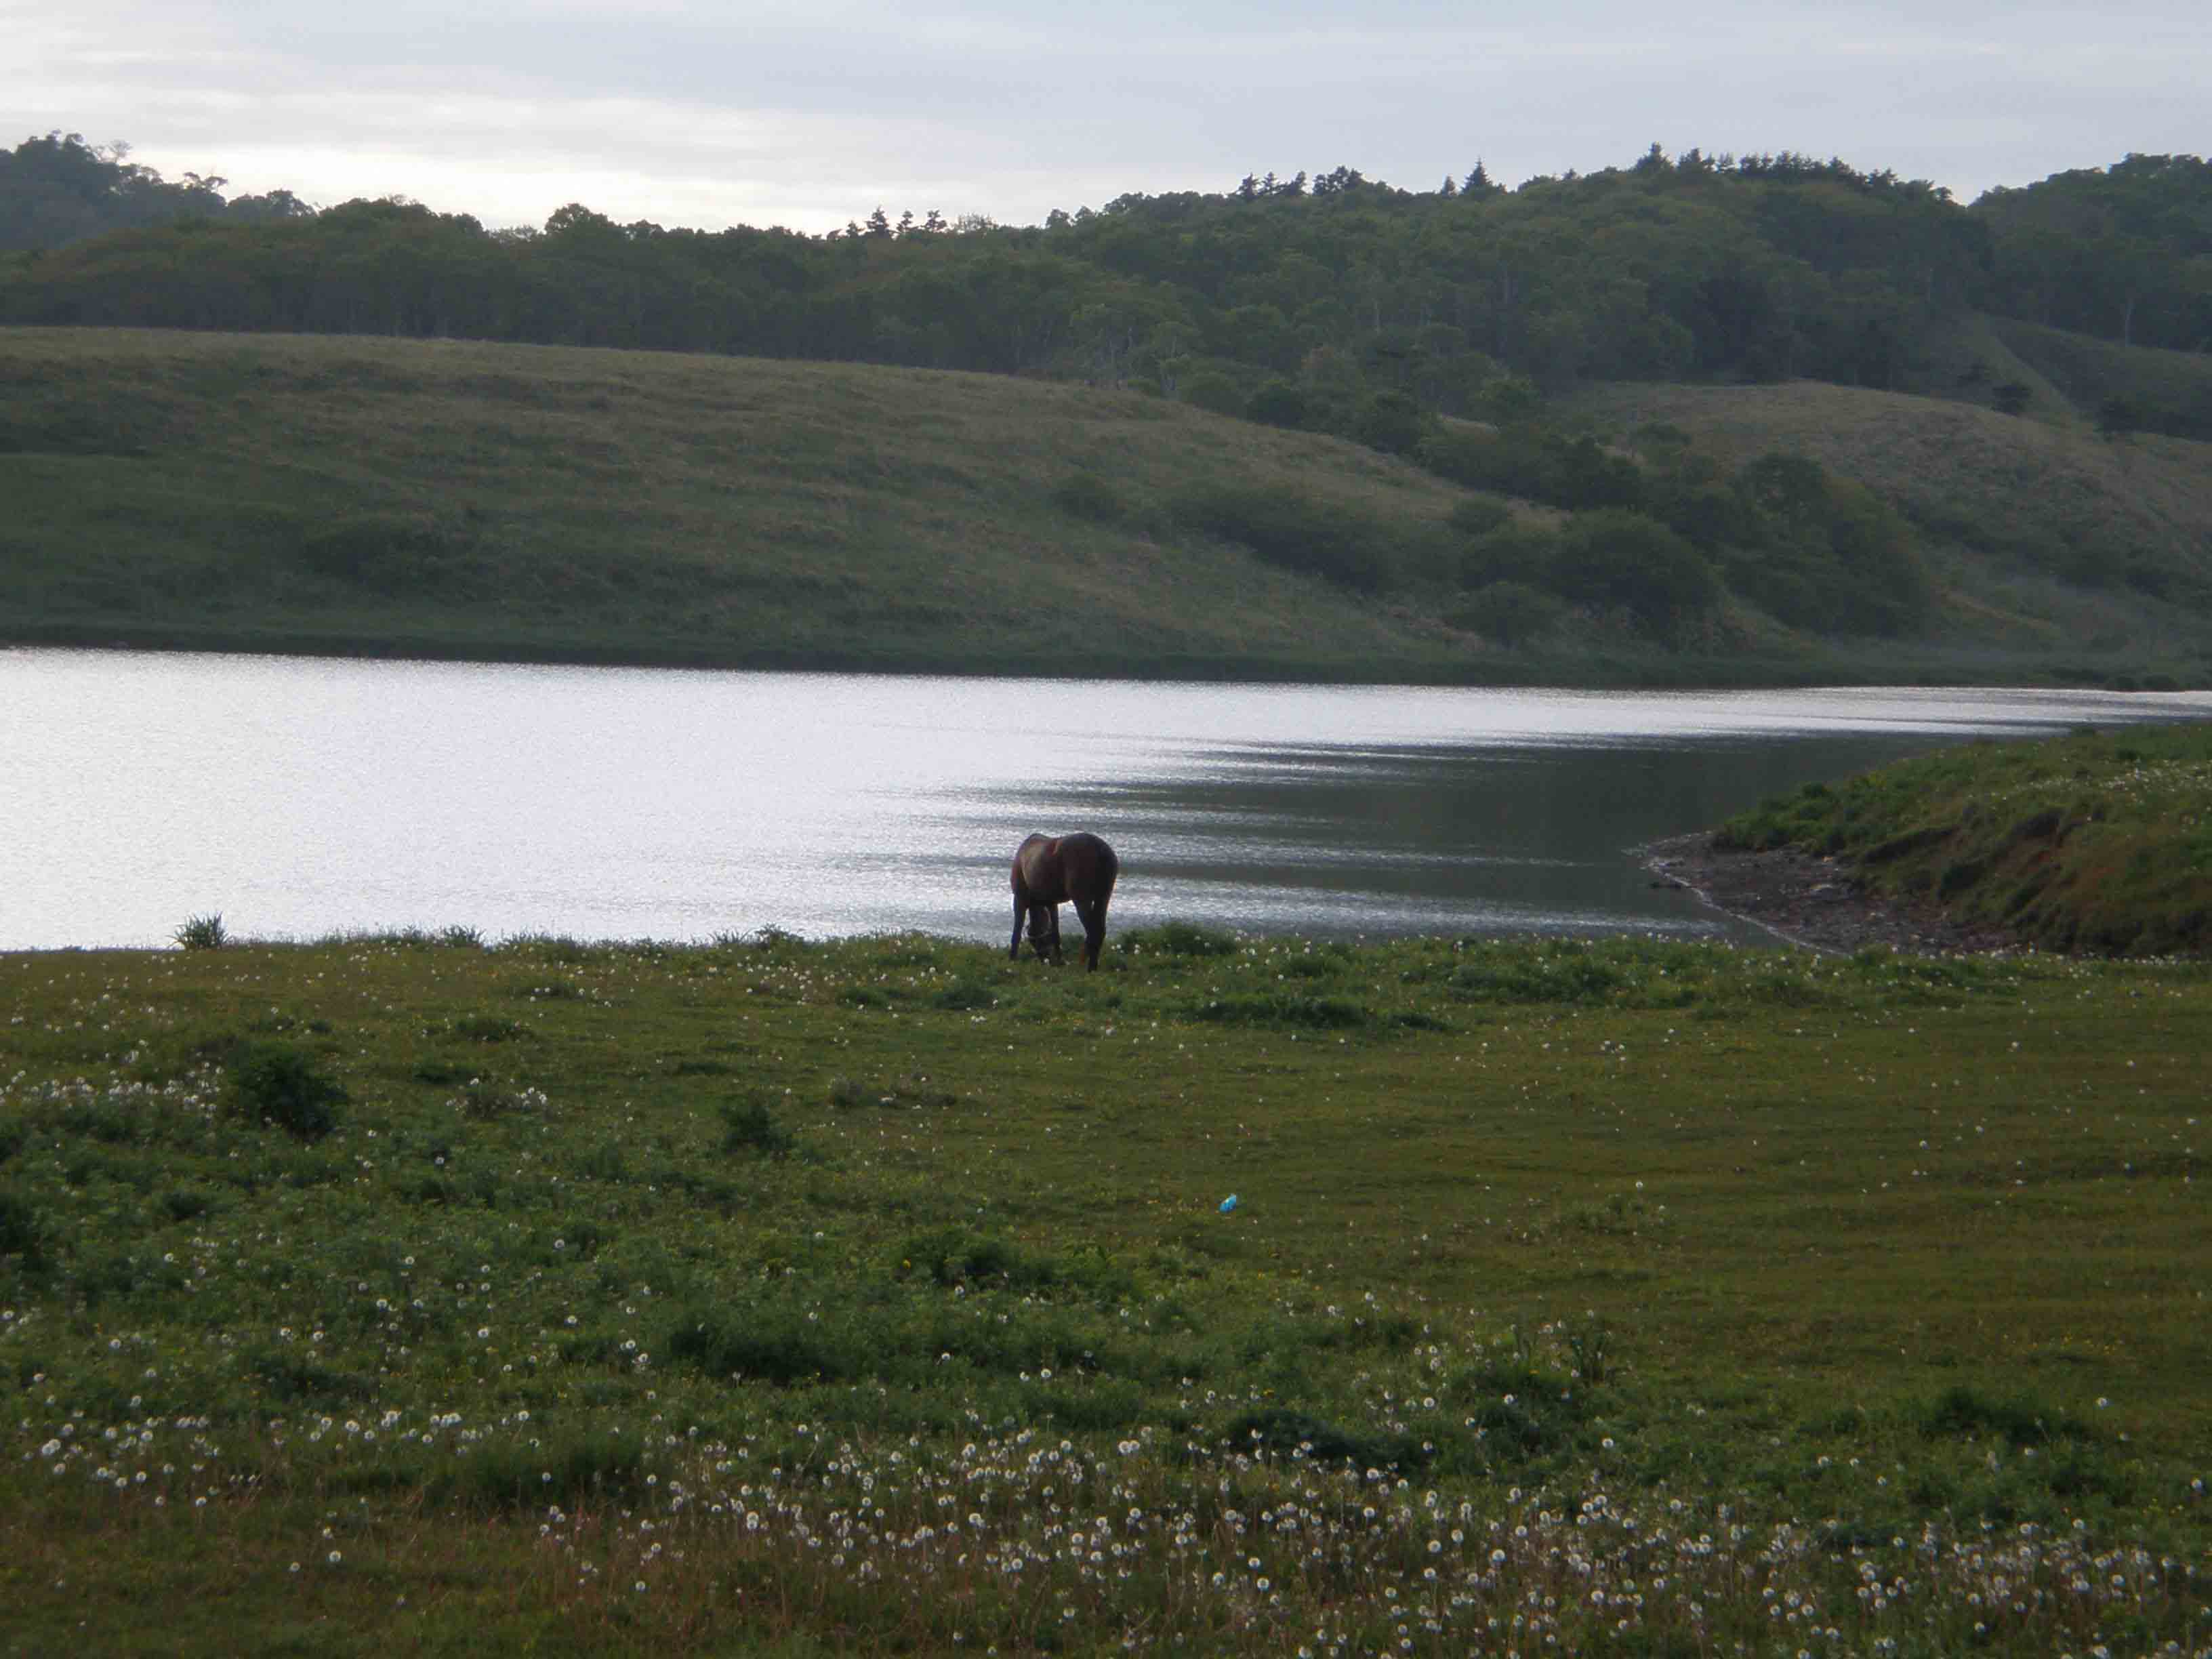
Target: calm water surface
x: 300, y: 796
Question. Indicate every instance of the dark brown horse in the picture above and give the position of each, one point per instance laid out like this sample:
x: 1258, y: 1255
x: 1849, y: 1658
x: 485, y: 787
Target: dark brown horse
x: 1050, y: 871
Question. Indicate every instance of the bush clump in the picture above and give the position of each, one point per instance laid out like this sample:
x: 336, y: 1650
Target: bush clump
x: 1087, y: 495
x: 1618, y: 560
x: 1291, y: 530
x: 21, y: 1233
x: 1512, y: 613
x: 282, y: 1084
x: 749, y: 1127
x: 1179, y: 939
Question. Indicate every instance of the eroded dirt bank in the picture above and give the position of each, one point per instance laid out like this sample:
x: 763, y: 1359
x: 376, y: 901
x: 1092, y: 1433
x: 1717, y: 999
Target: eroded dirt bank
x: 1811, y: 902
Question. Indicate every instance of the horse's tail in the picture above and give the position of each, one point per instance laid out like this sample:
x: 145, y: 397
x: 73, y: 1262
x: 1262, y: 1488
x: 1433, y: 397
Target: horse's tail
x: 1109, y: 871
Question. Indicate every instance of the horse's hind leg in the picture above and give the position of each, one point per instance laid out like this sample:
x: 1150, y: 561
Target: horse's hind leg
x: 1093, y: 916
x: 1021, y: 915
x: 1053, y: 912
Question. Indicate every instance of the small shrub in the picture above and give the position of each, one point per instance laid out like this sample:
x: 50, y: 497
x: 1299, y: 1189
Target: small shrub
x: 910, y: 1093
x: 1288, y: 1433
x: 1278, y: 403
x: 1179, y: 939
x: 202, y: 933
x: 1411, y: 1019
x: 1478, y: 515
x: 1967, y: 1412
x: 549, y: 990
x: 963, y: 997
x: 288, y: 1378
x: 486, y: 1101
x: 1392, y: 423
x: 1087, y: 495
x: 771, y: 1343
x: 277, y: 1083
x: 1315, y: 1013
x: 1291, y: 530
x: 1511, y: 613
x: 749, y: 1127
x: 597, y: 1468
x: 1211, y: 389
x: 1572, y: 976
x: 488, y: 1028
x: 1514, y: 553
x: 20, y: 1234
x: 185, y: 1203
x: 1591, y: 1345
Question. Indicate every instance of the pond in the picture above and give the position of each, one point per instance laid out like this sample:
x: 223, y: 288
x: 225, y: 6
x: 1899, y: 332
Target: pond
x: 300, y: 796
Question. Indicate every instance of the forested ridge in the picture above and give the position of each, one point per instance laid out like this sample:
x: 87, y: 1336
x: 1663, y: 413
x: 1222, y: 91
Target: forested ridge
x: 1621, y: 375
x: 1302, y: 299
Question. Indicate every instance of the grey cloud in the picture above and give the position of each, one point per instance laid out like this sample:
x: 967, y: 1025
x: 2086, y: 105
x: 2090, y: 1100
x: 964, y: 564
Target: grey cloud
x: 697, y: 112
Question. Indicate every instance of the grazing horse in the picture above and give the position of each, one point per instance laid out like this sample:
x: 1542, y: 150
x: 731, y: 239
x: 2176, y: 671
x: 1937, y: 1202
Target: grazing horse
x: 1050, y: 871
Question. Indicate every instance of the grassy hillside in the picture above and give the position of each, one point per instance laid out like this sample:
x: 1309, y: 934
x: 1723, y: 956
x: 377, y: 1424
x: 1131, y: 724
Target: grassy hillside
x: 2126, y: 387
x: 2096, y: 842
x: 333, y: 494
x: 398, y: 1294
x: 502, y: 499
x: 2046, y: 535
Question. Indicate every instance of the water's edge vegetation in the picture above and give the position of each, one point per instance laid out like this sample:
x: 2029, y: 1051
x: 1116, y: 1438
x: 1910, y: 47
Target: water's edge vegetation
x: 2100, y: 842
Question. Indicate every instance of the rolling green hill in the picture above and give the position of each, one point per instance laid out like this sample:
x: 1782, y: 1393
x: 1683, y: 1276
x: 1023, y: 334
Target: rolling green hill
x: 391, y: 496
x: 2045, y: 535
x: 395, y: 496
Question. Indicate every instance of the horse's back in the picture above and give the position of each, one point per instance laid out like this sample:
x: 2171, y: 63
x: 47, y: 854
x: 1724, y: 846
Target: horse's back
x: 1051, y: 869
x: 1088, y: 862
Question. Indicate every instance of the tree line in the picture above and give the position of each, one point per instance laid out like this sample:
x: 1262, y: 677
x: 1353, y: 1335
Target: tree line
x: 1333, y: 302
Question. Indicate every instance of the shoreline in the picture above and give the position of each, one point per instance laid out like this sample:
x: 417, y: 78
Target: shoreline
x: 1811, y: 902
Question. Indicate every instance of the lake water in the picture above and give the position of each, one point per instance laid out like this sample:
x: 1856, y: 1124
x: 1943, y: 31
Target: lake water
x: 300, y: 796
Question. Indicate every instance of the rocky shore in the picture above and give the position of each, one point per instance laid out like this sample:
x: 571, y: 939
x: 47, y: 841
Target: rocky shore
x: 1811, y: 902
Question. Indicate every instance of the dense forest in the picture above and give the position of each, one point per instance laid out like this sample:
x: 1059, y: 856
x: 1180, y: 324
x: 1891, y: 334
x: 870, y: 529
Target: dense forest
x: 1333, y: 302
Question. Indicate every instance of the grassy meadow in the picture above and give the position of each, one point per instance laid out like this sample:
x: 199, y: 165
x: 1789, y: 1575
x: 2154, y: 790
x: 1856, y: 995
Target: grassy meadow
x: 407, y: 1293
x: 437, y: 498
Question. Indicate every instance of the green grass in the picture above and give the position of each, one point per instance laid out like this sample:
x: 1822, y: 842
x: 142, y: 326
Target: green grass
x: 877, y: 1297
x: 399, y: 497
x: 2101, y: 840
x: 2046, y: 540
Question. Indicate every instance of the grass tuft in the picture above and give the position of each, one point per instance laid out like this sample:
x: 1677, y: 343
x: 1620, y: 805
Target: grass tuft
x: 202, y: 933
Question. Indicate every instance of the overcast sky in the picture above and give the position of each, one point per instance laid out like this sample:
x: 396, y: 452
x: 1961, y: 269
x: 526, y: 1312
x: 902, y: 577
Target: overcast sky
x: 689, y: 112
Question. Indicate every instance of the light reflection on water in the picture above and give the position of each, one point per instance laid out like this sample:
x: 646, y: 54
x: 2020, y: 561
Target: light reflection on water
x: 300, y: 796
